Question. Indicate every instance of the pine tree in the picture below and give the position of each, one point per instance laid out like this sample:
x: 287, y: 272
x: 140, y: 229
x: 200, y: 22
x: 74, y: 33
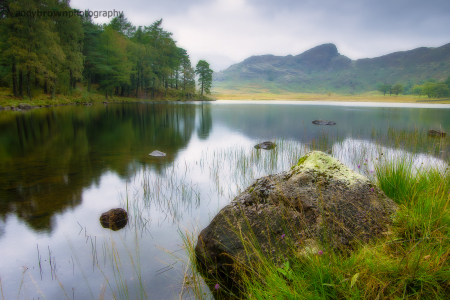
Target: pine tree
x: 205, y: 76
x: 91, y: 54
x: 114, y: 66
x: 71, y: 35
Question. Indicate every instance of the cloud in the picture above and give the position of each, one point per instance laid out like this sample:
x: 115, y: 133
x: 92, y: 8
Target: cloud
x: 237, y: 29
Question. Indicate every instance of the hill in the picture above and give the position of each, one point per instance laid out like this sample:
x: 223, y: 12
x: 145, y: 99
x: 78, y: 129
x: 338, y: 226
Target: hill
x: 323, y: 69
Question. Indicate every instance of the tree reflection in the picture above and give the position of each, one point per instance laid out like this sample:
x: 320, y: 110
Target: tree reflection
x: 48, y: 156
x: 205, y: 125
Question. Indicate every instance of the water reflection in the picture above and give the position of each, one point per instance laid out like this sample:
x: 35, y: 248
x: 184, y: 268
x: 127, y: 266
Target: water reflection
x: 293, y: 122
x: 48, y: 156
x: 61, y: 168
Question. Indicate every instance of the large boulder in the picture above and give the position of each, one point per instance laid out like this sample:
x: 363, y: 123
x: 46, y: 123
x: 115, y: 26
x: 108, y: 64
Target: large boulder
x: 320, y: 204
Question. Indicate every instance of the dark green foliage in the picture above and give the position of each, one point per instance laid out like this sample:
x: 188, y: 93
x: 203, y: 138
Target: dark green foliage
x: 384, y: 88
x: 121, y: 24
x: 52, y: 54
x: 441, y: 90
x: 433, y: 89
x: 397, y: 89
x: 417, y: 90
x: 205, y: 76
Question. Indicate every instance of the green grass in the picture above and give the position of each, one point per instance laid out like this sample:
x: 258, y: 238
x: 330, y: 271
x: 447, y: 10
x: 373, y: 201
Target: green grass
x: 80, y: 95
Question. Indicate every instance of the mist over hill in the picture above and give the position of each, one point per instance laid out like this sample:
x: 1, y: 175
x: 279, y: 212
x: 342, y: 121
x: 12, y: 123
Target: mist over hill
x: 324, y: 69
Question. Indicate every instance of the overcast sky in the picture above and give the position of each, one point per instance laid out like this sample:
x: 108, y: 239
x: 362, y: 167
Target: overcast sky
x: 224, y: 32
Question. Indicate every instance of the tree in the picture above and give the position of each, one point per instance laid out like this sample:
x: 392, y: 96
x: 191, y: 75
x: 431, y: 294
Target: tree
x: 31, y: 45
x: 428, y: 89
x: 397, y: 89
x: 56, y: 51
x: 91, y: 41
x: 384, y: 88
x: 121, y: 24
x: 188, y: 79
x: 114, y: 67
x: 441, y: 90
x: 205, y: 76
x: 417, y: 90
x: 71, y: 36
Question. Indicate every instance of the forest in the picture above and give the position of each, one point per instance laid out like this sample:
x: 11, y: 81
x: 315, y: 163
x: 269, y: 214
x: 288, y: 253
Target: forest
x: 48, y: 47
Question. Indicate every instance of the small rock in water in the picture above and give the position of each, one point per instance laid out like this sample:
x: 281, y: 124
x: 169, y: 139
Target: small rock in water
x: 157, y: 153
x: 266, y: 146
x: 24, y: 106
x: 114, y: 219
x: 322, y: 122
x: 436, y: 133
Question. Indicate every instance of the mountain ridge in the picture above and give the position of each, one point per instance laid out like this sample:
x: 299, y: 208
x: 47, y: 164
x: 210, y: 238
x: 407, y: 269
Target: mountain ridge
x: 324, y: 69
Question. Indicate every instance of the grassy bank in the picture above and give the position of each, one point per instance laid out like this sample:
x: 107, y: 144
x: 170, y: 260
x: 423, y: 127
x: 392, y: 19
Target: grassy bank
x: 80, y: 95
x: 364, y: 97
x: 410, y: 261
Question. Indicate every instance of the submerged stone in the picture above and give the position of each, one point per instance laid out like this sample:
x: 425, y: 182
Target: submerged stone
x: 436, y: 133
x: 318, y: 203
x: 266, y: 145
x: 322, y: 122
x: 157, y: 153
x: 24, y: 106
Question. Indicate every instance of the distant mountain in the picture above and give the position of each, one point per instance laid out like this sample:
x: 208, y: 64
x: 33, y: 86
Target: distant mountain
x: 323, y: 69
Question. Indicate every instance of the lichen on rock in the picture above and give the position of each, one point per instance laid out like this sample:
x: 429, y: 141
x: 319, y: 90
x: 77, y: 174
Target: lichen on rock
x: 321, y: 163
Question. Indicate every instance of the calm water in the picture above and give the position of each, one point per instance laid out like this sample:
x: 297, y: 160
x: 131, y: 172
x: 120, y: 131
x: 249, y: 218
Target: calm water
x: 61, y: 168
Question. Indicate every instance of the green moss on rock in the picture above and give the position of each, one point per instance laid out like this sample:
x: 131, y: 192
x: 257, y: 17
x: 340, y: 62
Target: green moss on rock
x: 300, y: 161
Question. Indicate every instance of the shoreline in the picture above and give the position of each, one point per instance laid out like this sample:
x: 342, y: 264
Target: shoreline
x: 363, y: 97
x: 18, y: 104
x: 25, y: 105
x: 337, y: 103
x: 9, y: 103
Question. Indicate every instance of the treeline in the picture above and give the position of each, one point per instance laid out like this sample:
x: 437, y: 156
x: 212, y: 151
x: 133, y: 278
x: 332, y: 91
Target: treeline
x: 52, y: 53
x: 432, y: 88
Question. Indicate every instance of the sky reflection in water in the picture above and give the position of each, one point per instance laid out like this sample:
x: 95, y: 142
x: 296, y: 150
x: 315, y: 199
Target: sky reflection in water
x: 61, y: 168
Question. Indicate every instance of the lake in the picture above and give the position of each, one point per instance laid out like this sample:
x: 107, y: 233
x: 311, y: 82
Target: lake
x: 62, y: 167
